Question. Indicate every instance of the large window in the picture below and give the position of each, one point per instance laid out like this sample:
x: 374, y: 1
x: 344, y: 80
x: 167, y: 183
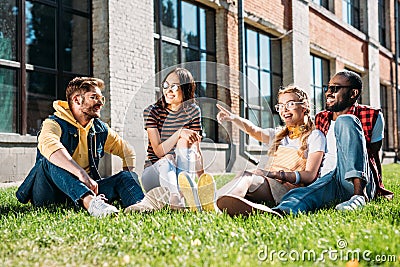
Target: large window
x: 319, y: 77
x: 185, y: 32
x: 263, y: 66
x: 43, y: 44
x: 323, y: 3
x: 351, y: 12
x: 382, y: 22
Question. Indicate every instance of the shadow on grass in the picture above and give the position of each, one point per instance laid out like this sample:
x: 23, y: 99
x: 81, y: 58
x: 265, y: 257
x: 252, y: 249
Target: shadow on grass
x: 28, y: 208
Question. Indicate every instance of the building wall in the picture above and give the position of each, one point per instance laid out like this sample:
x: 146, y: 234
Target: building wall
x: 236, y: 162
x: 300, y: 43
x: 275, y: 14
x: 391, y: 41
x: 17, y: 156
x: 385, y: 67
x: 232, y: 34
x: 124, y: 58
x: 307, y: 27
x: 337, y: 38
x: 373, y: 83
x: 302, y: 26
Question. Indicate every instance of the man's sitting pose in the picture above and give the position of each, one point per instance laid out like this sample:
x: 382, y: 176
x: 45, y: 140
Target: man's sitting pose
x: 70, y: 145
x: 351, y: 171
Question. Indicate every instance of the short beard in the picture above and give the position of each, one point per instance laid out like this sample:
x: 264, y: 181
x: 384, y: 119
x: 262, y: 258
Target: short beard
x: 87, y: 112
x: 90, y: 114
x: 339, y: 106
x: 342, y: 105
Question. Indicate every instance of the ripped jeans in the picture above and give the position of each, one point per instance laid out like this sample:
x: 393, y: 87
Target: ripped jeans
x: 166, y: 170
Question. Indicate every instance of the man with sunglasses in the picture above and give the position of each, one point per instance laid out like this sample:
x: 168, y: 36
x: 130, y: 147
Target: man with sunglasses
x: 70, y: 145
x: 351, y: 173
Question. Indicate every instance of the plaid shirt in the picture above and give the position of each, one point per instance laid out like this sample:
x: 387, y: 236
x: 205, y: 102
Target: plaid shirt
x: 367, y: 116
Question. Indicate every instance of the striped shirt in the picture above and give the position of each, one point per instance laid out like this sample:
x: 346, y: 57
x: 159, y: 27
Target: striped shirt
x: 168, y: 122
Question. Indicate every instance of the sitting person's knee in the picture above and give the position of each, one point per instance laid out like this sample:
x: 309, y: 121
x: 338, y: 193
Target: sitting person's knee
x: 128, y: 175
x: 167, y: 159
x: 182, y: 143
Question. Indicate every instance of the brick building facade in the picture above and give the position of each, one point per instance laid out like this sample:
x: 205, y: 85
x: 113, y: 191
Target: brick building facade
x: 272, y: 43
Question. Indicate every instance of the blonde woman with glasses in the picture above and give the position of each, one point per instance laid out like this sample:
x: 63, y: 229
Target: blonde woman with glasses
x: 295, y: 156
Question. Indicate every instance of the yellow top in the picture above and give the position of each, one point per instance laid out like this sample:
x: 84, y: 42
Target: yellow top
x: 49, y: 139
x: 286, y: 159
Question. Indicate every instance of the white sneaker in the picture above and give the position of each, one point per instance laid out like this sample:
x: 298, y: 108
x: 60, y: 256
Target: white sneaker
x: 355, y: 202
x: 99, y: 208
x: 153, y: 200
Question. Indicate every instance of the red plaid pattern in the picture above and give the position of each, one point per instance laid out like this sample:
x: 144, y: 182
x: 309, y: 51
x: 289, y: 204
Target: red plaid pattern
x: 367, y: 116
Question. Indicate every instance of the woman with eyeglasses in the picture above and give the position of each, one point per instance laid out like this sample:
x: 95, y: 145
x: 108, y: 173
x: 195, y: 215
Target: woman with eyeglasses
x: 295, y: 156
x: 174, y: 131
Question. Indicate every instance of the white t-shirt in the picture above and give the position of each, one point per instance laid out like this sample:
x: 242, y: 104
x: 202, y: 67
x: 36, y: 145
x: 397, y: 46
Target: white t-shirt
x: 330, y: 160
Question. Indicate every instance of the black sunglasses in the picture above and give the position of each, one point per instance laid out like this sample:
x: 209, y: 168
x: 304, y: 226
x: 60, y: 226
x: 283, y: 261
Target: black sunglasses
x: 334, y: 88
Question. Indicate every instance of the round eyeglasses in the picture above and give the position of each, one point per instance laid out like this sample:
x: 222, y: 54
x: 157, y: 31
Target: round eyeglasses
x: 97, y: 98
x: 290, y: 105
x: 174, y: 87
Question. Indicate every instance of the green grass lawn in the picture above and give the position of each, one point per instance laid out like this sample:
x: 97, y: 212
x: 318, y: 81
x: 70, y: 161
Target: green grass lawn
x: 70, y: 237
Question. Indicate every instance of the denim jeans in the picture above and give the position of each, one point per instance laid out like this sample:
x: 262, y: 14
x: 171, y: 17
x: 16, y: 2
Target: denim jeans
x: 162, y: 173
x: 166, y: 170
x: 336, y: 186
x: 54, y: 185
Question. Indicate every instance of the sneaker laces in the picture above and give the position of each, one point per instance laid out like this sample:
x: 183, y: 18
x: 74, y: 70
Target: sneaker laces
x: 353, y: 203
x: 101, y: 197
x: 98, y: 203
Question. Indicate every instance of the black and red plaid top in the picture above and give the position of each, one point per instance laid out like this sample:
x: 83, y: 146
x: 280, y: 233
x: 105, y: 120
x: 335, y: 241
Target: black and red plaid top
x: 367, y: 116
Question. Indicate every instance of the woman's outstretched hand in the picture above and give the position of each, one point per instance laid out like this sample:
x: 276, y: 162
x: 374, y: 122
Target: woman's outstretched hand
x: 224, y: 114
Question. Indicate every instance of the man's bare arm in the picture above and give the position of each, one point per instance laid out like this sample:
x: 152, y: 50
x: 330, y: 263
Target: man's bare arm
x: 375, y: 148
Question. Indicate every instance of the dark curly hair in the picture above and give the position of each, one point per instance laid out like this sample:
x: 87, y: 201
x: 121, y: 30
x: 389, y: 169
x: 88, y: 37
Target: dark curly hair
x: 353, y: 78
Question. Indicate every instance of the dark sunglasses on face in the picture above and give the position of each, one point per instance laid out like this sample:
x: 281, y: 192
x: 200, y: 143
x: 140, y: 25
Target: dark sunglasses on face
x: 334, y: 88
x: 174, y: 87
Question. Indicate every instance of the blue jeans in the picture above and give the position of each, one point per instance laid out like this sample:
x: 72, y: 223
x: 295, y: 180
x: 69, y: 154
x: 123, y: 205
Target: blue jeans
x: 162, y: 173
x: 53, y: 185
x: 337, y: 185
x: 165, y: 171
